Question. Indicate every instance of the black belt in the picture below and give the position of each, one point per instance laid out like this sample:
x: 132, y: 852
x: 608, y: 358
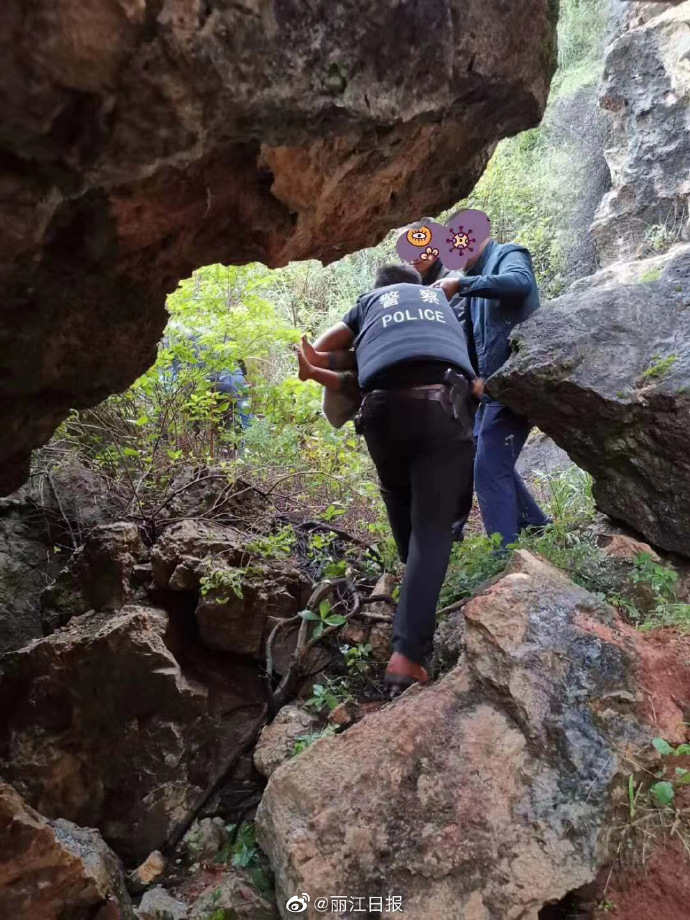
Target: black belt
x: 454, y: 396
x: 436, y: 391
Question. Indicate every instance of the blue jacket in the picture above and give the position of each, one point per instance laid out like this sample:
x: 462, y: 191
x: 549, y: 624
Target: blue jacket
x: 500, y: 291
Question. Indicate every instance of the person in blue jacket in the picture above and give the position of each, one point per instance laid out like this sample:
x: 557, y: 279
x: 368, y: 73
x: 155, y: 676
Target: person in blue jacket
x: 500, y: 291
x: 234, y: 384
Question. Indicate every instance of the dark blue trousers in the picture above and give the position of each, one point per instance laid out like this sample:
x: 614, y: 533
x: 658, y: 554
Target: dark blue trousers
x: 505, y: 502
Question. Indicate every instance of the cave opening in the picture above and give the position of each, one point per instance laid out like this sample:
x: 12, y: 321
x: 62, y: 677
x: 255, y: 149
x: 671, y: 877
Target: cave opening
x: 573, y: 906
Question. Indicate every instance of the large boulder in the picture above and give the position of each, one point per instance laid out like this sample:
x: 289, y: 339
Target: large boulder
x: 239, y: 618
x: 487, y: 793
x: 39, y: 525
x: 99, y: 576
x: 646, y: 90
x: 605, y: 371
x: 55, y: 871
x: 178, y: 558
x: 141, y: 140
x: 101, y: 725
x: 27, y: 563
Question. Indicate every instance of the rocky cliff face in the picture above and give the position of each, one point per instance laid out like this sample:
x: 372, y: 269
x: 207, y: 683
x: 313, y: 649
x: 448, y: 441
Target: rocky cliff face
x: 605, y: 369
x: 646, y: 91
x: 143, y: 139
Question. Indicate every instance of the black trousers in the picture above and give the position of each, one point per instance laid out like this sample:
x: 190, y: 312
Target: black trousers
x: 424, y: 458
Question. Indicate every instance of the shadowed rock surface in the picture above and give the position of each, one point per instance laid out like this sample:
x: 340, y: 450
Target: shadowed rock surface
x: 486, y: 794
x: 140, y: 141
x: 605, y: 371
x: 100, y: 725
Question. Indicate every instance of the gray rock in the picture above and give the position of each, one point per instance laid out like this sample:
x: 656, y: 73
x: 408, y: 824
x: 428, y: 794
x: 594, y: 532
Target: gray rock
x: 605, y: 372
x: 277, y: 740
x: 186, y: 544
x: 239, y: 622
x: 157, y: 904
x: 102, y: 726
x: 147, y: 139
x: 99, y: 576
x: 27, y: 565
x: 205, y: 838
x: 487, y: 793
x: 646, y: 91
x: 55, y: 871
x: 235, y: 896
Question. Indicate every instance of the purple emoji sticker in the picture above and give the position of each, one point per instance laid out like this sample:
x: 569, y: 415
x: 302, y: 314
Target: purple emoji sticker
x: 422, y: 242
x: 467, y: 230
x: 455, y: 244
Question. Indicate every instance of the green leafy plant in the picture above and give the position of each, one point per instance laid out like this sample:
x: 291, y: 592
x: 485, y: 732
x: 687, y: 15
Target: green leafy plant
x: 660, y: 237
x: 241, y: 849
x: 306, y: 741
x: 223, y: 582
x: 323, y: 618
x: 472, y: 563
x: 662, y: 581
x: 357, y: 657
x: 336, y: 569
x: 276, y: 545
x: 328, y: 695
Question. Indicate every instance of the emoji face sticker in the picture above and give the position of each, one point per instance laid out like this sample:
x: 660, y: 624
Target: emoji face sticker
x: 467, y: 230
x: 419, y: 237
x: 422, y: 243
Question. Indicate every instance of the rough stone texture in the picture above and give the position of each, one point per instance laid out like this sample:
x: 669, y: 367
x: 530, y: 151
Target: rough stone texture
x: 189, y: 550
x: 157, y: 904
x: 486, y: 794
x: 55, y: 871
x: 141, y: 140
x: 40, y: 525
x: 186, y: 544
x: 234, y: 893
x: 100, y: 725
x: 148, y: 873
x: 646, y: 90
x: 99, y: 576
x: 204, y: 839
x: 624, y: 547
x: 231, y: 623
x: 27, y: 565
x: 277, y: 739
x: 585, y: 373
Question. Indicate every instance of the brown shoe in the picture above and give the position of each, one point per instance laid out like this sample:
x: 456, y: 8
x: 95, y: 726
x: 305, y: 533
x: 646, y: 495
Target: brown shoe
x: 402, y: 672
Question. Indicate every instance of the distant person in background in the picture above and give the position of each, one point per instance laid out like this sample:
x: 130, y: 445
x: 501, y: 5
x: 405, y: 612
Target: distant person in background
x: 499, y: 291
x: 235, y: 385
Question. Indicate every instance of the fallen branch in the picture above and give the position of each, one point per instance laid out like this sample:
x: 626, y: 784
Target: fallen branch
x: 293, y: 674
x: 452, y: 608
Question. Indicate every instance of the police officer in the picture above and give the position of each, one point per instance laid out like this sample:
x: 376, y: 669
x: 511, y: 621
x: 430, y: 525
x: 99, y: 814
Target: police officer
x: 500, y: 291
x: 419, y: 435
x: 432, y: 270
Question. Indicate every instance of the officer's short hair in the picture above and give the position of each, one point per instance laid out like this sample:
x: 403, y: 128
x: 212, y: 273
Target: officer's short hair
x: 395, y: 273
